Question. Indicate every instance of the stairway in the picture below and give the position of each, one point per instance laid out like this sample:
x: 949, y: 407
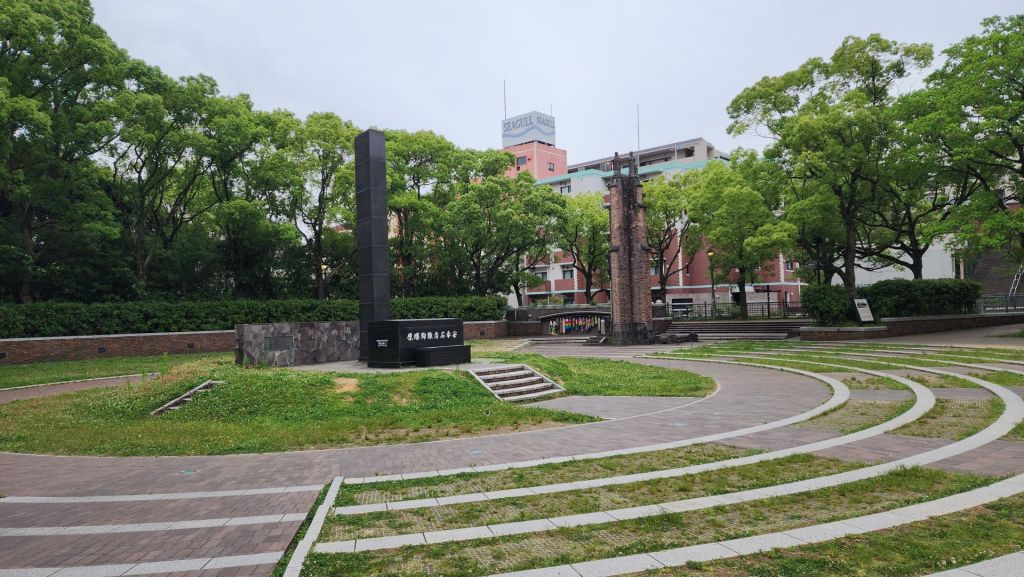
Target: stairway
x: 516, y: 383
x: 739, y: 330
x: 995, y: 271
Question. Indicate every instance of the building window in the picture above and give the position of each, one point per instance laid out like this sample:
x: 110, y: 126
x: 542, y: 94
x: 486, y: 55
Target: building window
x: 565, y: 189
x: 551, y: 166
x: 543, y: 275
x: 655, y: 270
x: 789, y: 265
x: 520, y: 160
x: 568, y: 298
x: 566, y: 273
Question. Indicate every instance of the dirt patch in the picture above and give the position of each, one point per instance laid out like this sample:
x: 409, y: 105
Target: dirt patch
x: 346, y: 385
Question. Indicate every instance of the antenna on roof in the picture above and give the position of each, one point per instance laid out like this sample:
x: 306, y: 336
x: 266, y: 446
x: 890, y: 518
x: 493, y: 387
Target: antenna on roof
x: 638, y: 126
x: 504, y: 97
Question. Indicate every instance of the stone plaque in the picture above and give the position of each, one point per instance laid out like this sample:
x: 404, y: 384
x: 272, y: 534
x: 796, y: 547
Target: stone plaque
x: 278, y: 343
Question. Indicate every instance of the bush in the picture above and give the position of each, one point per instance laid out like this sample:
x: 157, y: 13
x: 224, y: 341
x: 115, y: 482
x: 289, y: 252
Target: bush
x: 908, y: 298
x: 828, y: 303
x: 53, y: 319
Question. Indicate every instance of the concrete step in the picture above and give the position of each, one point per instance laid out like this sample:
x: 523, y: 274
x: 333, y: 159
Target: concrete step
x: 516, y: 383
x: 517, y: 391
x: 498, y: 370
x: 509, y: 376
x: 531, y: 396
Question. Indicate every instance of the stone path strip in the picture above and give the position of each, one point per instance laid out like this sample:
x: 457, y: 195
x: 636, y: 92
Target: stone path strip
x: 820, y: 533
x: 162, y: 496
x: 1013, y: 415
x: 294, y: 566
x: 143, y: 527
x: 841, y: 394
x: 1011, y: 565
x: 147, y: 568
x: 925, y: 402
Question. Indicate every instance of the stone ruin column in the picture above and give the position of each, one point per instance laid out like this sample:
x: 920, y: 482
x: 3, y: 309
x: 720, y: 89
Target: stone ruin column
x: 630, y: 257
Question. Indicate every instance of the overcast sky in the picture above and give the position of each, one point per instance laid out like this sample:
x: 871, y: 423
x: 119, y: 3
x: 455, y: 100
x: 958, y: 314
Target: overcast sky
x: 439, y: 65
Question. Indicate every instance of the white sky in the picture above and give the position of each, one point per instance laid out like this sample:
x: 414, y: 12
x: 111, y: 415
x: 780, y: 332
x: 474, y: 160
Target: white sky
x: 439, y: 65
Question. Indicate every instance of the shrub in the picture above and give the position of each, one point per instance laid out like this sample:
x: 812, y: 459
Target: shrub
x: 827, y: 303
x: 907, y: 298
x: 52, y: 319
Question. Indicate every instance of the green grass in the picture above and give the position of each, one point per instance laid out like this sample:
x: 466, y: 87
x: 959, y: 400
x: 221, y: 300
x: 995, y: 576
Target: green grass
x: 260, y: 410
x: 41, y: 373
x: 944, y: 382
x: 855, y: 416
x: 587, y: 376
x: 1003, y: 378
x: 954, y: 420
x: 540, y: 475
x: 786, y: 470
x: 570, y: 545
x: 873, y: 383
x: 938, y: 544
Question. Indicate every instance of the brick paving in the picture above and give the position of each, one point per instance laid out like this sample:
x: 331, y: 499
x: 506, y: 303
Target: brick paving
x: 748, y: 397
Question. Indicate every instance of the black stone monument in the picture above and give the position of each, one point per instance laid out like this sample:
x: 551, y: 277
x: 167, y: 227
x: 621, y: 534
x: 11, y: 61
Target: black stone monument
x: 372, y: 235
x: 383, y: 342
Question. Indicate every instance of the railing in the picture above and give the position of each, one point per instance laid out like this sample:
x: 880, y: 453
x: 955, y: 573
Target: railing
x: 1001, y: 304
x: 731, y: 311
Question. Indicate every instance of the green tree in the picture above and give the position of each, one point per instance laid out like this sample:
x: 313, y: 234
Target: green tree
x: 58, y: 72
x: 735, y: 221
x: 973, y: 108
x: 493, y: 224
x: 324, y: 153
x: 830, y: 124
x: 669, y: 233
x: 581, y: 230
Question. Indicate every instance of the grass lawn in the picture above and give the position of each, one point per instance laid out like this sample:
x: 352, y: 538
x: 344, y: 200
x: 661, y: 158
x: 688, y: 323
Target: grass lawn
x: 938, y: 544
x: 873, y: 383
x: 481, y: 348
x: 954, y: 420
x: 787, y: 470
x: 570, y: 545
x: 856, y: 416
x: 260, y: 410
x: 541, y: 475
x: 41, y: 373
x: 584, y: 376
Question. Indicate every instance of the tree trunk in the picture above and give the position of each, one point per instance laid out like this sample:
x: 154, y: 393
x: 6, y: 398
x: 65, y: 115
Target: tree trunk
x: 850, y: 259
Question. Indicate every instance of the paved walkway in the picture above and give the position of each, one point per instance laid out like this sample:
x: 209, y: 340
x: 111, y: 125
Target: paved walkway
x: 104, y: 490
x: 983, y: 337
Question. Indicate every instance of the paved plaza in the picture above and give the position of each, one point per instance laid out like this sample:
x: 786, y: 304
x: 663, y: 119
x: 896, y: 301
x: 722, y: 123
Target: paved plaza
x: 236, y: 514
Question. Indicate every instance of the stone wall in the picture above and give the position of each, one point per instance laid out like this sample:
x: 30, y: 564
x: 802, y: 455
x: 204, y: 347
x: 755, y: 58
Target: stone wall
x: 288, y: 344
x: 525, y: 328
x: 901, y: 326
x: 45, y: 349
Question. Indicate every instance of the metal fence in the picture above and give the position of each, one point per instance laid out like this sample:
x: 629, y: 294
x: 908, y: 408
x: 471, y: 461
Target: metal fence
x: 1001, y: 304
x: 755, y: 310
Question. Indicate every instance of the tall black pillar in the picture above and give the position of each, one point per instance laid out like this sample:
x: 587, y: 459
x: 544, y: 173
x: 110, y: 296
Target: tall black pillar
x: 372, y: 234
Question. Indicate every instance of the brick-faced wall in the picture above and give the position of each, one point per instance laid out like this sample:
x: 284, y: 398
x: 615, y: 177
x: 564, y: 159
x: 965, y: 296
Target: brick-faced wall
x: 485, y: 329
x: 901, y: 326
x: 35, y: 350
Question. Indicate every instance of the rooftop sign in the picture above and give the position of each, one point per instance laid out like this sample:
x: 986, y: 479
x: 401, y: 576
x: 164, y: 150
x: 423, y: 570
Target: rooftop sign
x: 527, y: 127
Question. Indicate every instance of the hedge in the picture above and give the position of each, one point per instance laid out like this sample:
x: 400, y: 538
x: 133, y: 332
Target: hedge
x: 826, y: 303
x: 909, y: 298
x: 53, y: 319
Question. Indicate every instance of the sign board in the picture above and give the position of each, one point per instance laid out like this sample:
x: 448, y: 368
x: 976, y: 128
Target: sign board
x: 528, y: 127
x: 762, y: 288
x: 393, y: 343
x: 863, y: 310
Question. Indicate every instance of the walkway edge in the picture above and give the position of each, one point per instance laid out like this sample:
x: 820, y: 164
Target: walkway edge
x: 313, y: 532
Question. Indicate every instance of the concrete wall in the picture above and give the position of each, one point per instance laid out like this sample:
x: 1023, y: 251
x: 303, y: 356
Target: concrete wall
x: 44, y: 349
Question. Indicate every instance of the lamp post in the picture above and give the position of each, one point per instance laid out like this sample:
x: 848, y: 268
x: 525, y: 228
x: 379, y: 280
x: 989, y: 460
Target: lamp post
x: 714, y: 297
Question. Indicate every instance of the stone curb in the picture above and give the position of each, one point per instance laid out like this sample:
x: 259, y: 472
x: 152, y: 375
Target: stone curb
x: 925, y: 401
x: 294, y: 566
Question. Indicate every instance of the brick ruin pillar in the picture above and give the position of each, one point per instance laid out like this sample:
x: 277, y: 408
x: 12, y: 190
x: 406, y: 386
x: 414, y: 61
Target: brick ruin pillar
x: 630, y: 257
